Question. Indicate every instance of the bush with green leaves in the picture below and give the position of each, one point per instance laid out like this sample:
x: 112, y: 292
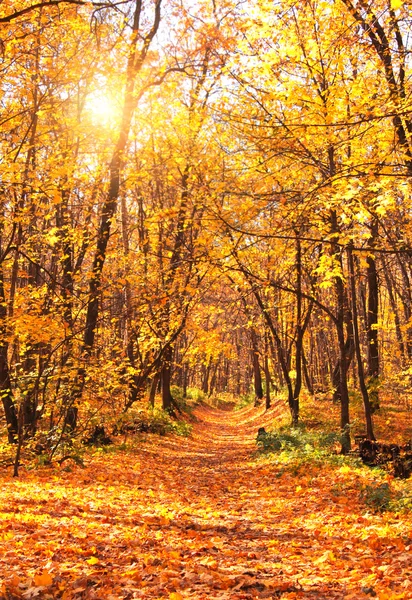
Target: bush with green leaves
x: 245, y: 400
x: 296, y: 438
x: 195, y: 394
x: 377, y: 496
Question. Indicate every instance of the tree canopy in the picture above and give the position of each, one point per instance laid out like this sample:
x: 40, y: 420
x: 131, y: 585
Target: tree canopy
x: 214, y: 196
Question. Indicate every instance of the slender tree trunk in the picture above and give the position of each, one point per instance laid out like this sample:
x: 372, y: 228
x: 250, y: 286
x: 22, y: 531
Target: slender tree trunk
x: 185, y: 379
x: 5, y: 382
x: 394, y: 308
x: 372, y: 325
x: 257, y: 376
x: 343, y: 370
x: 205, y: 378
x: 299, y: 332
x: 268, y: 379
x: 153, y: 389
x: 213, y: 378
x: 342, y: 317
x: 361, y: 375
x: 349, y: 353
x: 308, y: 381
x: 165, y: 378
x: 281, y: 357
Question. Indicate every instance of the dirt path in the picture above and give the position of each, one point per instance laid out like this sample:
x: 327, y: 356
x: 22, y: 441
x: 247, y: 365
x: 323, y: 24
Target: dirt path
x: 197, y: 518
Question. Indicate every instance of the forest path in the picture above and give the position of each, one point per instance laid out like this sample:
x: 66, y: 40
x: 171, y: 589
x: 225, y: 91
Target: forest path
x: 197, y: 517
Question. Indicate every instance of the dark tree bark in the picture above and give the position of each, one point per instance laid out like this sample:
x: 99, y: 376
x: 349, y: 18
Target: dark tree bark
x: 306, y: 374
x: 153, y: 389
x: 257, y: 375
x: 343, y: 368
x: 165, y: 378
x: 361, y: 375
x: 268, y: 379
x: 394, y: 308
x: 205, y: 378
x: 5, y: 383
x: 372, y: 322
x: 349, y: 349
x: 342, y: 318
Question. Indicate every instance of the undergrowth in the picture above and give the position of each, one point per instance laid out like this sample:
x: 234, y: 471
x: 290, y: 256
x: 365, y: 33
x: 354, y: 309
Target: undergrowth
x: 298, y: 441
x: 153, y: 420
x: 297, y: 450
x: 65, y: 447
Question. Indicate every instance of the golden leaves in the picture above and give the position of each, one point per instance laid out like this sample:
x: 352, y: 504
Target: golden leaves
x: 44, y: 579
x: 198, y: 517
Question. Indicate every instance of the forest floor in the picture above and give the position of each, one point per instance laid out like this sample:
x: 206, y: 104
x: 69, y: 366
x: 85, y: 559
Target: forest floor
x: 201, y: 517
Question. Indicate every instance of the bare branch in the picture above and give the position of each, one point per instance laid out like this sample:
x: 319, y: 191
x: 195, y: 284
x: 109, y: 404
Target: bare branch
x: 28, y: 9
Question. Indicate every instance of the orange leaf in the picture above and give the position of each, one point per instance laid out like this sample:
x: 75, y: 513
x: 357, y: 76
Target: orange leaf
x: 43, y: 580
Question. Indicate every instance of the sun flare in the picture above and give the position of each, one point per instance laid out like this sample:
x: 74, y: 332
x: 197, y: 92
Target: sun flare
x: 104, y: 108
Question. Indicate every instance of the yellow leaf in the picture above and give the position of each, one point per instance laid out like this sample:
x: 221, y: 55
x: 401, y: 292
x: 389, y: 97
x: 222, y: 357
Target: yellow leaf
x: 175, y: 596
x: 93, y: 560
x: 396, y: 4
x: 327, y: 556
x: 43, y: 579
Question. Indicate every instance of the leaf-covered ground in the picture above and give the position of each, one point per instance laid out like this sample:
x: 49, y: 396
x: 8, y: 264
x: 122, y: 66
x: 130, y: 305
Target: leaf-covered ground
x: 199, y: 517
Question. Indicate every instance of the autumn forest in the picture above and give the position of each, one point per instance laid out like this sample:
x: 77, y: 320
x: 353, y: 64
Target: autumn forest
x: 205, y: 278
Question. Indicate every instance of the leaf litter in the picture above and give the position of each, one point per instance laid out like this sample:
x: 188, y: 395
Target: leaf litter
x: 199, y: 517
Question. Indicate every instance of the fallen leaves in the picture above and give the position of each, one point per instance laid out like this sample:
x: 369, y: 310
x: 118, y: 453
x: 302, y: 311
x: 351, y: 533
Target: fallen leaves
x: 198, y: 518
x: 43, y: 580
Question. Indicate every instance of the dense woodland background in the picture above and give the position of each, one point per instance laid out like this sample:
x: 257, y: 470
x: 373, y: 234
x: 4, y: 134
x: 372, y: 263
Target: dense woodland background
x: 211, y: 195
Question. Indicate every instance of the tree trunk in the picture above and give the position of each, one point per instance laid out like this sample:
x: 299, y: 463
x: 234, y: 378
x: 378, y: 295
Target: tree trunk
x: 308, y: 381
x: 205, y: 378
x: 268, y: 379
x: 5, y: 383
x: 372, y: 322
x: 153, y: 389
x: 135, y: 62
x: 342, y: 317
x: 343, y: 370
x: 257, y: 376
x: 394, y: 308
x: 165, y: 378
x: 361, y: 375
x: 294, y: 409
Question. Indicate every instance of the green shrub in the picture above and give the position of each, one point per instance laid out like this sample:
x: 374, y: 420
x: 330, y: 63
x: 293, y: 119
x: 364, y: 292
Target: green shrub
x: 245, y: 400
x: 296, y: 446
x: 377, y: 496
x: 268, y: 442
x: 195, y: 394
x: 181, y: 428
x: 177, y: 393
x: 293, y: 438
